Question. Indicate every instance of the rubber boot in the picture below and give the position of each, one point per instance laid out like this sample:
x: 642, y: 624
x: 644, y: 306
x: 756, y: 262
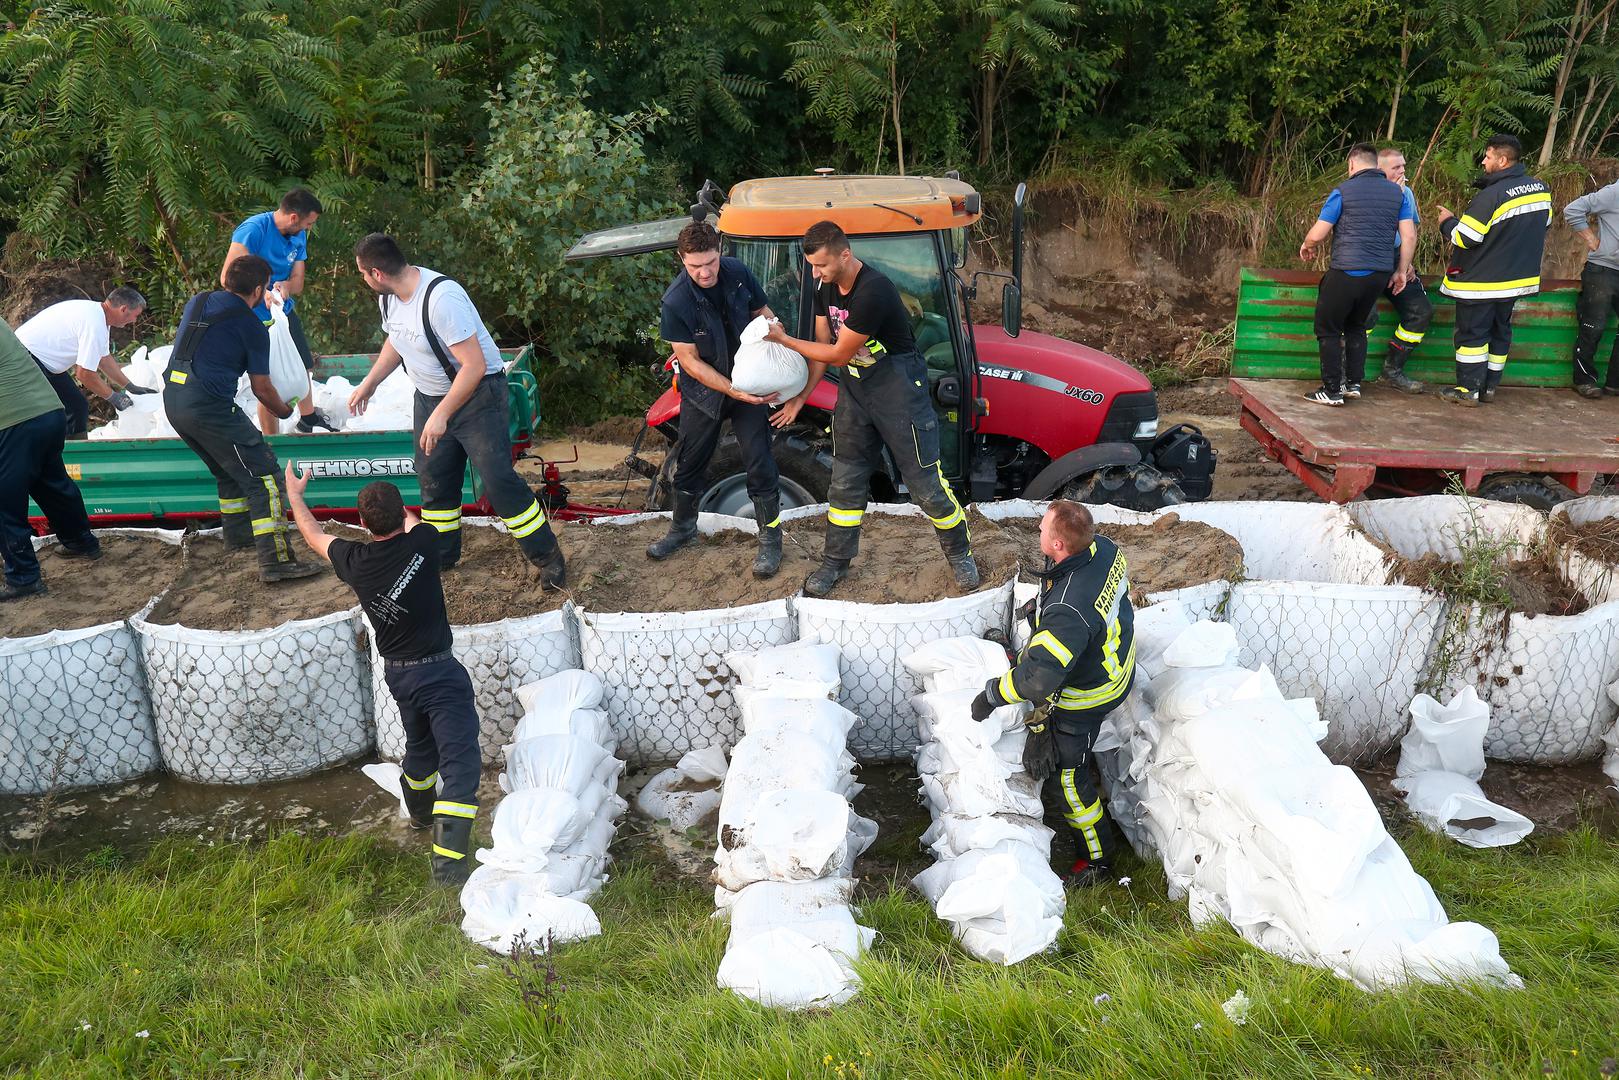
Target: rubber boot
x: 276, y: 562
x: 452, y: 850
x: 767, y: 512
x: 1492, y: 381
x: 824, y: 578
x: 418, y: 802
x: 1085, y: 874
x: 1394, y: 370
x: 553, y: 567
x: 958, y: 550
x: 238, y: 530
x: 1469, y: 384
x: 682, y: 528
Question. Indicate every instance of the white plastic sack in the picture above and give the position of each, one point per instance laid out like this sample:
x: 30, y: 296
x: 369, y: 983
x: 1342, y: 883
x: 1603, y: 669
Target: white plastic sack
x: 287, y: 372
x: 500, y: 907
x: 819, y: 718
x: 564, y: 762
x: 1454, y: 804
x: 764, y: 367
x: 1445, y: 738
x: 561, y: 693
x: 588, y: 724
x: 788, y: 835
x: 530, y: 824
x: 671, y: 796
x: 957, y: 663
x: 706, y: 764
x: 793, y: 663
x: 952, y: 835
x: 788, y: 970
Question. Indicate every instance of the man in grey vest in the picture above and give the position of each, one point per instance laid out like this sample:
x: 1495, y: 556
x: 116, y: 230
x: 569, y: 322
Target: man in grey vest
x: 1364, y: 215
x: 1595, y: 217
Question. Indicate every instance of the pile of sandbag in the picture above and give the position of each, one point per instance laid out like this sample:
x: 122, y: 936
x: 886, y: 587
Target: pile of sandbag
x: 1254, y: 825
x: 549, y: 834
x: 993, y: 880
x: 1441, y: 760
x: 686, y: 796
x: 787, y: 835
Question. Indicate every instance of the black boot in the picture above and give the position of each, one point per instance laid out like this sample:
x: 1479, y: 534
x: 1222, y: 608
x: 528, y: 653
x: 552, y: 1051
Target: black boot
x: 1469, y: 386
x: 553, y: 567
x: 1492, y: 380
x: 237, y: 530
x: 1085, y: 874
x: 767, y: 512
x: 825, y: 577
x: 452, y: 849
x: 1394, y: 369
x: 276, y: 561
x: 682, y: 528
x: 958, y: 550
x: 418, y: 802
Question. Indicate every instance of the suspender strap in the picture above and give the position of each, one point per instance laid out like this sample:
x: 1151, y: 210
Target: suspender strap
x: 440, y: 353
x: 185, y: 350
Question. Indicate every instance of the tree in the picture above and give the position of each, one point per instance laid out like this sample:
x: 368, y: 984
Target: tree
x: 1588, y: 15
x: 846, y: 71
x: 1017, y: 36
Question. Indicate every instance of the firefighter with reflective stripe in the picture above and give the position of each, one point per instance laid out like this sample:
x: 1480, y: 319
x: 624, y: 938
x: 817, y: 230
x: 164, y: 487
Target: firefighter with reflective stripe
x: 1411, y: 304
x: 1496, y: 249
x: 219, y: 340
x: 1077, y: 667
x: 396, y: 577
x: 461, y: 402
x: 861, y: 325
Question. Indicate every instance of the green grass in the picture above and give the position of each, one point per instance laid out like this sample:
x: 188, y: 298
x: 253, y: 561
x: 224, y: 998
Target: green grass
x: 330, y: 958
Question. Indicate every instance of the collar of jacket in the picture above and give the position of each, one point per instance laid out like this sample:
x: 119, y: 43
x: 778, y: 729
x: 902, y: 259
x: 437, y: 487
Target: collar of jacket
x: 1073, y: 562
x: 1515, y: 171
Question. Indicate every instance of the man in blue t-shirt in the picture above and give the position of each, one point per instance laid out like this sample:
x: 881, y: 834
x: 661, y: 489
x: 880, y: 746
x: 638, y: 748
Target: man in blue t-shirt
x: 1364, y: 215
x: 1411, y: 303
x: 218, y: 341
x: 281, y: 238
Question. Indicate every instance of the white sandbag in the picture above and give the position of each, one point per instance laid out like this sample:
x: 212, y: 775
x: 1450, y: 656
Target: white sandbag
x: 793, y: 663
x: 1295, y: 541
x: 787, y: 835
x: 1005, y: 858
x: 820, y: 719
x: 957, y: 663
x: 530, y: 824
x: 561, y: 693
x: 386, y: 775
x: 952, y: 835
x: 817, y: 909
x: 502, y: 907
x: 1202, y: 645
x: 1445, y: 738
x: 287, y: 372
x: 564, y: 762
x: 706, y: 764
x: 787, y: 970
x: 1455, y: 805
x: 671, y: 796
x: 1397, y: 952
x: 588, y: 724
x: 1156, y: 628
x: 766, y: 367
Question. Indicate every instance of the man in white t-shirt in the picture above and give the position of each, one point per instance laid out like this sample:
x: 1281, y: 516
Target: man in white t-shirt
x: 461, y: 408
x: 74, y: 334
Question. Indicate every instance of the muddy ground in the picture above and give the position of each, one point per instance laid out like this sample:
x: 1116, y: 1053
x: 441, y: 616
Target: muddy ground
x: 220, y: 589
x: 1597, y: 540
x: 1535, y: 586
x: 85, y: 592
x: 1168, y: 554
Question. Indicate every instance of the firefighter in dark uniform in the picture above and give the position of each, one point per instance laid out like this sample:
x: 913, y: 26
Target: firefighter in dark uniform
x: 861, y: 324
x: 1494, y: 259
x: 396, y: 577
x: 1077, y: 668
x: 705, y: 310
x: 219, y: 339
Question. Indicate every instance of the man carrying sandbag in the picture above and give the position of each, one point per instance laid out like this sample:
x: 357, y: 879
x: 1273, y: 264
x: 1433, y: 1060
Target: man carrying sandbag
x: 461, y: 403
x: 73, y: 335
x: 705, y: 310
x: 396, y: 577
x: 1081, y: 663
x: 220, y: 338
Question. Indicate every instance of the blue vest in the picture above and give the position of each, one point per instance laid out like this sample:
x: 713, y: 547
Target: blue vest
x: 1364, y: 237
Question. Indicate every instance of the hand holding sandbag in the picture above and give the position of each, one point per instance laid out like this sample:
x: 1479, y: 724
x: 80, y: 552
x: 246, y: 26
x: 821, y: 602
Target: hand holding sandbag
x: 981, y: 706
x: 120, y: 400
x: 135, y: 388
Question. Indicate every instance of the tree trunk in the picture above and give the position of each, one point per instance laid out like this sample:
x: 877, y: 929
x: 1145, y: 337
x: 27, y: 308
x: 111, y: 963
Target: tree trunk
x: 1579, y: 117
x: 1399, y: 79
x: 1578, y: 29
x: 895, y: 94
x: 1596, y: 118
x: 986, y: 122
x: 1416, y: 178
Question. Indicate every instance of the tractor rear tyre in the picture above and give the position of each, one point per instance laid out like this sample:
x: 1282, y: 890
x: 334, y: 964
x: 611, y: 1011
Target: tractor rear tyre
x: 1136, y: 487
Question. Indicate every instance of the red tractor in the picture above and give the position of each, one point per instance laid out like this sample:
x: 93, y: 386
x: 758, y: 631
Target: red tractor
x: 1020, y: 415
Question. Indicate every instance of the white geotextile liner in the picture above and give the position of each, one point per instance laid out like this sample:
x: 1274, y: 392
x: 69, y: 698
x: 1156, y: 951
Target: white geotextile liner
x: 1439, y: 524
x: 500, y: 657
x: 259, y: 705
x: 77, y: 712
x: 1598, y: 580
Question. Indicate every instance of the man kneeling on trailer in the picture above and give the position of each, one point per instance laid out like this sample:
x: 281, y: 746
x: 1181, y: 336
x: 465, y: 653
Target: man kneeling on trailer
x: 396, y: 577
x: 1077, y: 668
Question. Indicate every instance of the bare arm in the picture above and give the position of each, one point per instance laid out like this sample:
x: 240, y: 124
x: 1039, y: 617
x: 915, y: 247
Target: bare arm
x: 789, y: 410
x: 294, y: 285
x: 386, y: 363
x: 232, y: 253
x: 268, y: 396
x: 1318, y: 232
x: 308, y: 527
x: 94, y: 383
x: 837, y: 354
x: 699, y: 369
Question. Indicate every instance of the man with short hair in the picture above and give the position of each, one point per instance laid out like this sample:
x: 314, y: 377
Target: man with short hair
x: 705, y: 310
x: 1411, y: 304
x: 1364, y: 215
x: 461, y: 415
x: 219, y: 339
x: 1495, y: 258
x: 73, y: 335
x: 396, y: 577
x: 32, y: 429
x: 1077, y: 668
x: 862, y: 326
x: 1595, y: 217
x: 281, y: 238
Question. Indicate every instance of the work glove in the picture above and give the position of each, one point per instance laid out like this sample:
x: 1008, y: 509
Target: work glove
x: 134, y: 389
x: 981, y: 706
x: 120, y: 400
x: 1039, y: 750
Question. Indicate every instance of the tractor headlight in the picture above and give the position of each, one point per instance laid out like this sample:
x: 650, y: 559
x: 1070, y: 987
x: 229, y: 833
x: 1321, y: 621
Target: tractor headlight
x: 1147, y: 429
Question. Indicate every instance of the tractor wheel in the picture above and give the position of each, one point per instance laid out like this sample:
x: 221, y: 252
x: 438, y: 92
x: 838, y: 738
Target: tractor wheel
x: 1534, y: 491
x: 805, y: 472
x: 1137, y: 487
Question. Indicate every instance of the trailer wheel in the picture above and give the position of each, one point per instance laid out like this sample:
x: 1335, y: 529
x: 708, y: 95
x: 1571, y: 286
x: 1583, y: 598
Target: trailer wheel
x: 1533, y: 491
x: 805, y: 472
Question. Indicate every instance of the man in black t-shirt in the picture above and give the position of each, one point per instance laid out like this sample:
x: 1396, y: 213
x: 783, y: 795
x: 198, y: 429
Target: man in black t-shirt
x: 396, y: 577
x: 861, y: 322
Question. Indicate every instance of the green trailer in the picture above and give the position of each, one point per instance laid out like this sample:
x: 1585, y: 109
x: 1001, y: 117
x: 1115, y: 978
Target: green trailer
x: 1537, y: 443
x: 161, y: 482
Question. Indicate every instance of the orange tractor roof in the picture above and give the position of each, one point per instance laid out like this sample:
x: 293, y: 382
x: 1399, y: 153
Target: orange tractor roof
x: 788, y: 205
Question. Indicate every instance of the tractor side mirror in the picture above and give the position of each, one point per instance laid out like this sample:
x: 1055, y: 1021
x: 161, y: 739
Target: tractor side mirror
x: 1011, y: 309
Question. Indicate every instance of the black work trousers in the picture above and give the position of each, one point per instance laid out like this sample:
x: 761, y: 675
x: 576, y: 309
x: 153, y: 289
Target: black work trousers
x: 440, y: 716
x: 1342, y: 308
x: 244, y: 467
x: 1599, y: 298
x: 886, y: 404
x: 31, y: 467
x: 1414, y: 309
x: 477, y: 433
x: 1072, y: 790
x: 1483, y: 335
x: 700, y: 434
x: 74, y: 403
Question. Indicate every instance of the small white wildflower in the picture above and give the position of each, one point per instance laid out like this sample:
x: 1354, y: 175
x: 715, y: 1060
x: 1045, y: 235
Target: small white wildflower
x: 1236, y: 1008
x: 1125, y: 882
x: 1104, y: 1018
x: 143, y: 1034
x: 1197, y: 1026
x: 84, y: 1025
x: 1101, y: 999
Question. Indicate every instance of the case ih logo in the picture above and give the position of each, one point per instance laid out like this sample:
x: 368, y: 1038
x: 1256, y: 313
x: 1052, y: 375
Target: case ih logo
x: 400, y: 466
x: 1044, y: 382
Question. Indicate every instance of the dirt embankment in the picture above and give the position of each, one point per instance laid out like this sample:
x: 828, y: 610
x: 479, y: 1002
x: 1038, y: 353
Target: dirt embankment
x: 1597, y: 540
x: 1167, y: 554
x: 84, y: 592
x: 1533, y: 585
x: 219, y: 589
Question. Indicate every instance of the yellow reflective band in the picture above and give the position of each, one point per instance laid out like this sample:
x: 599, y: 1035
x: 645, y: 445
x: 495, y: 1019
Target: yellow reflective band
x: 848, y: 518
x: 1481, y: 287
x: 518, y: 519
x: 1070, y: 796
x: 1110, y: 650
x: 453, y: 514
x: 1475, y: 228
x: 1514, y: 207
x: 455, y: 809
x: 1472, y: 350
x: 1078, y: 700
x: 447, y: 853
x: 1406, y: 335
x: 263, y: 530
x: 1008, y: 691
x: 772, y: 524
x: 421, y: 785
x: 233, y: 506
x: 178, y: 377
x: 1048, y: 641
x: 1088, y: 815
x: 950, y: 520
x: 446, y: 526
x: 534, y: 524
